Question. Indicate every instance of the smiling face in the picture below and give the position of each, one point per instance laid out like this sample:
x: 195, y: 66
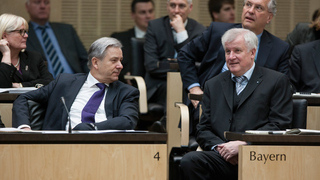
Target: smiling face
x: 16, y: 41
x: 255, y: 15
x: 108, y: 69
x: 239, y: 60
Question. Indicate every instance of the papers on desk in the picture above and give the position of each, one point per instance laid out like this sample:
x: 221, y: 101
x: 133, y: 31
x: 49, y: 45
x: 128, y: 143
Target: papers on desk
x: 286, y: 132
x: 17, y: 90
x: 15, y: 130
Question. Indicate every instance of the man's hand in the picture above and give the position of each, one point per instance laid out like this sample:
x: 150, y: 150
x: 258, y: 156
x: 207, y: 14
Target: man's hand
x: 195, y: 90
x: 229, y: 151
x: 177, y: 23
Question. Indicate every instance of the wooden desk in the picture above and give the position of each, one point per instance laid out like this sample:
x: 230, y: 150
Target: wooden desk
x: 83, y: 156
x: 6, y: 100
x: 297, y: 158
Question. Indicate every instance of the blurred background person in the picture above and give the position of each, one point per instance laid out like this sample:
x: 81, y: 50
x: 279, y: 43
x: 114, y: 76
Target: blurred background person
x: 19, y: 68
x: 57, y: 42
x: 142, y: 11
x: 305, y: 32
x: 222, y: 10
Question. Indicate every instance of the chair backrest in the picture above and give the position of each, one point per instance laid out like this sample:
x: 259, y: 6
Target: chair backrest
x: 299, y: 116
x: 36, y: 113
x: 137, y: 64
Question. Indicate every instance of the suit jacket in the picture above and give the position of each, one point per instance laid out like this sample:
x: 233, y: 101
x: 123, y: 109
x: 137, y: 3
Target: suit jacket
x: 69, y: 42
x: 121, y: 103
x: 33, y: 68
x: 304, y: 67
x: 208, y: 50
x: 302, y: 33
x: 125, y: 38
x: 160, y: 46
x: 265, y: 104
x: 1, y: 124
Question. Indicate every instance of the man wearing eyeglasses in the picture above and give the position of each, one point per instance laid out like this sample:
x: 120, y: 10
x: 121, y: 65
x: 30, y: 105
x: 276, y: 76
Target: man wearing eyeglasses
x: 57, y: 42
x: 165, y: 36
x: 271, y: 52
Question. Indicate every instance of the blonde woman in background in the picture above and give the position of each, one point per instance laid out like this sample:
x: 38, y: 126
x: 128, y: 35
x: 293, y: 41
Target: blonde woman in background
x: 19, y: 68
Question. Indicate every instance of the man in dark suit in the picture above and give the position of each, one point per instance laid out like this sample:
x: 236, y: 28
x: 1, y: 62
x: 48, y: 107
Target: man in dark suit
x: 304, y: 67
x: 70, y: 51
x: 142, y: 11
x: 245, y: 97
x: 165, y: 36
x: 207, y: 49
x: 117, y: 110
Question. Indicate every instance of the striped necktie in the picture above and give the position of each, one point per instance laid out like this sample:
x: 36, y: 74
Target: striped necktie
x: 240, y: 85
x: 51, y: 52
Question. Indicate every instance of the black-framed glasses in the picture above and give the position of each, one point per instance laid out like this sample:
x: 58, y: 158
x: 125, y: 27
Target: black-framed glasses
x: 22, y: 32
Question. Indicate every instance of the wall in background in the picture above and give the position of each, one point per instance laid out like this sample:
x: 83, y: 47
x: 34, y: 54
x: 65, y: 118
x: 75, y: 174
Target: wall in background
x: 97, y: 18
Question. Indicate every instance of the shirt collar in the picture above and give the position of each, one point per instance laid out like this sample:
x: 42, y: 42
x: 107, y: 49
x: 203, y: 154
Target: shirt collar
x: 36, y: 25
x: 247, y: 74
x: 138, y: 32
x: 91, y: 81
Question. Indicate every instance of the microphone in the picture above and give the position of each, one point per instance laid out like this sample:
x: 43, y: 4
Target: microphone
x: 65, y: 106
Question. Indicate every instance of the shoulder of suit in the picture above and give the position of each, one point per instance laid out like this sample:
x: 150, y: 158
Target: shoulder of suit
x: 122, y: 86
x: 122, y: 33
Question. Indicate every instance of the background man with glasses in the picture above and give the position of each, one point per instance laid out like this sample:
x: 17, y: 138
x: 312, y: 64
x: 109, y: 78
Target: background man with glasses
x: 57, y: 42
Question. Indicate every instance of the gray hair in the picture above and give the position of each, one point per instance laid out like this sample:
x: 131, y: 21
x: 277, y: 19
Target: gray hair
x: 98, y: 48
x: 10, y: 22
x: 272, y: 6
x: 250, y: 38
x: 189, y: 1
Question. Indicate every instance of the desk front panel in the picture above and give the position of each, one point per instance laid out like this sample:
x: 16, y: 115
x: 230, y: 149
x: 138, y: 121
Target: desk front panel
x: 279, y: 162
x: 83, y: 161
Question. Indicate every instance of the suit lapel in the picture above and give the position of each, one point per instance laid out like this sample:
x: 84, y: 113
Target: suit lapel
x: 264, y: 49
x: 316, y: 55
x: 24, y: 61
x: 253, y: 83
x: 111, y: 94
x: 227, y: 87
x: 71, y: 94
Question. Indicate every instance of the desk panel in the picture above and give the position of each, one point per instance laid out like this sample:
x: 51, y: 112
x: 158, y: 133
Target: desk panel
x: 279, y: 162
x: 6, y: 114
x: 83, y: 161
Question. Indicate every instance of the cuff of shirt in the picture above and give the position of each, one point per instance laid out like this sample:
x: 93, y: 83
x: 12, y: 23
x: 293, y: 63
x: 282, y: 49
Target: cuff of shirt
x: 182, y: 36
x: 193, y: 85
x: 23, y: 126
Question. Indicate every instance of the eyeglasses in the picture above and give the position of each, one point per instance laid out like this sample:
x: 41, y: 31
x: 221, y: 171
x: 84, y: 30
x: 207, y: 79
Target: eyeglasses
x: 22, y: 32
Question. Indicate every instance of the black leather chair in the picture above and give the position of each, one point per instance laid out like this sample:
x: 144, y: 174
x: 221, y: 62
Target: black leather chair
x: 299, y: 116
x: 149, y: 112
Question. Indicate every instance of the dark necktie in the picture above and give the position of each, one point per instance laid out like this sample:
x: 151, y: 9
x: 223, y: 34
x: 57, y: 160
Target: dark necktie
x: 90, y: 109
x: 51, y: 52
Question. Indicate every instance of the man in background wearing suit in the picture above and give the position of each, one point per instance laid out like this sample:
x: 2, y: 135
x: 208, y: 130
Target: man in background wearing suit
x: 57, y: 42
x: 222, y: 10
x: 142, y: 11
x: 304, y: 68
x: 245, y: 97
x: 165, y: 36
x: 272, y: 52
x: 117, y: 107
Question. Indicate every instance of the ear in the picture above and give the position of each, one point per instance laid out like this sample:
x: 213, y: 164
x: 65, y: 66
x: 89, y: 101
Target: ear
x: 4, y: 35
x: 253, y: 53
x: 269, y: 18
x: 133, y: 15
x: 191, y: 6
x: 215, y: 15
x: 95, y: 62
